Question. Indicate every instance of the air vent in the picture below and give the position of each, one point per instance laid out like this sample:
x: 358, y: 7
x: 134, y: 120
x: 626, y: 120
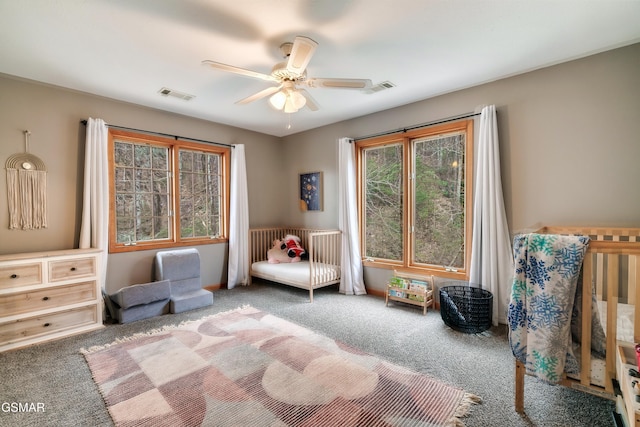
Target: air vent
x: 175, y: 94
x: 381, y: 86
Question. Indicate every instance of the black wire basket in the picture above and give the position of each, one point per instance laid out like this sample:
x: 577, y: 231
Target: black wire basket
x: 466, y: 309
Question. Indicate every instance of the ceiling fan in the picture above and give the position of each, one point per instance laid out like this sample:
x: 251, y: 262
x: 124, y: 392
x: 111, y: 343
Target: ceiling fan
x: 287, y: 76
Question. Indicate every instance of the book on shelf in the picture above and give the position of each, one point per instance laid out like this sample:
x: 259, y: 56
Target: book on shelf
x: 418, y: 285
x: 398, y: 282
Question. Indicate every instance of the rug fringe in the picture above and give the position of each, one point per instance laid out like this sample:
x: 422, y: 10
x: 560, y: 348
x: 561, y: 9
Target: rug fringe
x: 156, y: 331
x: 463, y: 409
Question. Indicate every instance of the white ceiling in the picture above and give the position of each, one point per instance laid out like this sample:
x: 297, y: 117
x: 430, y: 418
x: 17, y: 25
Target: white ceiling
x: 130, y: 49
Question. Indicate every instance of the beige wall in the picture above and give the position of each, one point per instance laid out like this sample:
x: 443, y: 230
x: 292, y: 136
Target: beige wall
x: 569, y: 145
x: 53, y: 116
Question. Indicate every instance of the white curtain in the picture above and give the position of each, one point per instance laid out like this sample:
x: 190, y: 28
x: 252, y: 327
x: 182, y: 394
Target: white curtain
x: 352, y: 281
x: 94, y: 230
x: 491, y: 255
x: 238, y: 268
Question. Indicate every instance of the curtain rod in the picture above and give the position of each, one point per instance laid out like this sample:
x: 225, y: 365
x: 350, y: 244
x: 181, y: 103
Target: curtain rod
x: 403, y: 130
x: 176, y: 137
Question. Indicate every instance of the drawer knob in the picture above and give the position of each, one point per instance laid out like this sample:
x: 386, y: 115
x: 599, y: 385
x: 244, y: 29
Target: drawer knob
x: 46, y: 324
x: 14, y: 276
x: 45, y: 299
x: 73, y: 269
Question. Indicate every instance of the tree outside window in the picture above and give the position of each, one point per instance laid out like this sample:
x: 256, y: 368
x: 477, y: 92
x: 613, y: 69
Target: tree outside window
x: 415, y: 207
x: 149, y: 208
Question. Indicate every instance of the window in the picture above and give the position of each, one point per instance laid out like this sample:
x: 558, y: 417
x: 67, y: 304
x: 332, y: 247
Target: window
x: 415, y: 209
x: 165, y: 192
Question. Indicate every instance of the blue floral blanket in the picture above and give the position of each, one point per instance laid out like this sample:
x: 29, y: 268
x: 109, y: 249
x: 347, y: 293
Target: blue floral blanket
x: 547, y: 267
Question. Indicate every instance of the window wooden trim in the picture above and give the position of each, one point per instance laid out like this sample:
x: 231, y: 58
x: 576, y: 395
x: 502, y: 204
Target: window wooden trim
x: 174, y: 146
x: 405, y: 139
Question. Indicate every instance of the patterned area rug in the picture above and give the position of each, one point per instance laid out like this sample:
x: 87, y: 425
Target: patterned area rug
x: 249, y: 368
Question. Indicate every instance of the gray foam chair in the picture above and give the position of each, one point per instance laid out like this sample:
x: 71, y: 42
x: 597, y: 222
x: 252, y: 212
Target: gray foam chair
x: 181, y: 267
x: 137, y: 302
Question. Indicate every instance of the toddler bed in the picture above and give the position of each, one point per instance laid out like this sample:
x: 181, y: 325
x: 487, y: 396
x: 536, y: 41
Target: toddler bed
x: 321, y: 268
x: 606, y: 314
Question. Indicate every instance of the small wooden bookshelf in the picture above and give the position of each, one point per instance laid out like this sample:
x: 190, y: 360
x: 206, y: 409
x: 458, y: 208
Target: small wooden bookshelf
x: 411, y: 289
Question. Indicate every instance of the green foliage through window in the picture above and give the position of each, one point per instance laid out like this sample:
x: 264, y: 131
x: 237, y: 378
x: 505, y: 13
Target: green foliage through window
x: 199, y: 194
x: 438, y: 226
x: 166, y: 193
x: 141, y: 192
x: 383, y: 207
x: 414, y: 200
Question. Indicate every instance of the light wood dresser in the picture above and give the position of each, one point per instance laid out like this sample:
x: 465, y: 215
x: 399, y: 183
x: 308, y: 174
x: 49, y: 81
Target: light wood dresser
x: 48, y: 295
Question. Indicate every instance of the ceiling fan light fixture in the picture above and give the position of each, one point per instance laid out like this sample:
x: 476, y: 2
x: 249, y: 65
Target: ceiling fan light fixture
x: 289, y: 106
x: 278, y: 100
x: 290, y: 101
x: 298, y: 99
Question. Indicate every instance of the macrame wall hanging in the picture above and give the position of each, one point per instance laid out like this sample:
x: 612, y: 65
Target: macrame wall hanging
x: 26, y: 190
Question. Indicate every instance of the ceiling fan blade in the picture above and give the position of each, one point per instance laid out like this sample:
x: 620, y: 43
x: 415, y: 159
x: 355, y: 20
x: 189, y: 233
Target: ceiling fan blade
x: 311, y: 103
x: 238, y: 70
x: 263, y: 93
x: 301, y: 53
x: 340, y: 83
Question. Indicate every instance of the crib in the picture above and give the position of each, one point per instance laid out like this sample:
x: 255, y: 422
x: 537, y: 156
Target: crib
x: 322, y: 268
x: 611, y: 271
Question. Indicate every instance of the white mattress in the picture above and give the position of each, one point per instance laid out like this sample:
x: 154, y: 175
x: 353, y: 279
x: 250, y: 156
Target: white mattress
x: 624, y: 327
x: 298, y: 273
x: 598, y: 369
x: 624, y: 332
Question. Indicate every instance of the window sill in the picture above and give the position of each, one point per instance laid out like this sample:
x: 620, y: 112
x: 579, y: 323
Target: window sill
x: 440, y: 272
x: 147, y: 246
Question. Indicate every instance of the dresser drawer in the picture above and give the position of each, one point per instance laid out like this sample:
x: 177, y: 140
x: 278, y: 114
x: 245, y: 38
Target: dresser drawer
x: 31, y: 327
x: 71, y: 268
x: 43, y: 299
x: 20, y: 275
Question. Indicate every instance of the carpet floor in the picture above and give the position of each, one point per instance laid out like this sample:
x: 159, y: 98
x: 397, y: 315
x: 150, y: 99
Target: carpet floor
x: 57, y: 376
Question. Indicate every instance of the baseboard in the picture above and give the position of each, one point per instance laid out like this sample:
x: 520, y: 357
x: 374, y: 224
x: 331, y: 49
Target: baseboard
x: 215, y: 287
x: 376, y: 293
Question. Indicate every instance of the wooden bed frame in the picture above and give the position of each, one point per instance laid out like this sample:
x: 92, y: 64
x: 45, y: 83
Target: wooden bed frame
x: 613, y: 256
x: 322, y: 246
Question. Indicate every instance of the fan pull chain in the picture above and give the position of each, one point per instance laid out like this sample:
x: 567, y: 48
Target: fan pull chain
x: 289, y: 125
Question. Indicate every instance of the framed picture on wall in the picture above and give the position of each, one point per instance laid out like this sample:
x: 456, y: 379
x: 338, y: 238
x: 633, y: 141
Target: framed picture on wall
x: 311, y: 191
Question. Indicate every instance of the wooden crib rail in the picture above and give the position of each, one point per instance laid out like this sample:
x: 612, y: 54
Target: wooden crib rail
x: 612, y: 267
x: 603, y: 239
x: 324, y: 256
x: 261, y: 239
